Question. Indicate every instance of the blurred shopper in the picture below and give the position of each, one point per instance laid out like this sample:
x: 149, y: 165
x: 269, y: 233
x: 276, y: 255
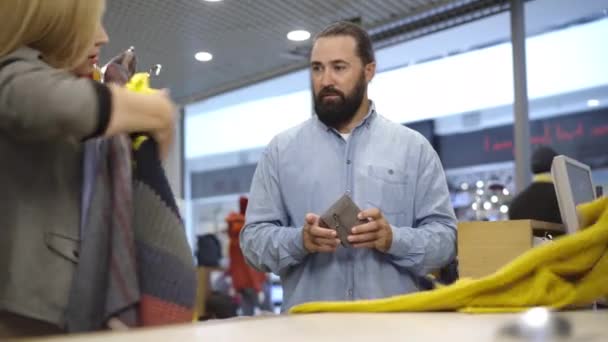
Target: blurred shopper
x: 538, y: 201
x: 390, y: 171
x: 46, y: 111
x: 246, y: 281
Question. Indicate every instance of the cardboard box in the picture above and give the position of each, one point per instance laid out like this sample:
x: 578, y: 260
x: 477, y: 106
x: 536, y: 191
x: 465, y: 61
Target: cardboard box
x: 484, y: 247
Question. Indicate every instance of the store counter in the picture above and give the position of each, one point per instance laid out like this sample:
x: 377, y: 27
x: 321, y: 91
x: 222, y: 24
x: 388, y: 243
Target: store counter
x: 589, y: 326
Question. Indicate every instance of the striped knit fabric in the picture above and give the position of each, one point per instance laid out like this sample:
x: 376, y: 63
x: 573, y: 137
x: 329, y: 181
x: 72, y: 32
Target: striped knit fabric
x: 135, y: 262
x: 105, y: 282
x: 167, y: 272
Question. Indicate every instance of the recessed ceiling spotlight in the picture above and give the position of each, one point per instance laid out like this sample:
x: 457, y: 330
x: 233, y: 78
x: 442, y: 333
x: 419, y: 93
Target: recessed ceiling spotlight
x: 593, y: 103
x: 298, y: 35
x: 203, y: 56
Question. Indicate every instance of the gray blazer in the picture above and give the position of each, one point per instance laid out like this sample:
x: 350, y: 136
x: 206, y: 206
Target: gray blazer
x: 45, y: 113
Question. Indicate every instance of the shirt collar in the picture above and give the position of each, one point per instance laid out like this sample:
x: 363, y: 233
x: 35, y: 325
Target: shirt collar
x: 367, y: 120
x: 544, y: 177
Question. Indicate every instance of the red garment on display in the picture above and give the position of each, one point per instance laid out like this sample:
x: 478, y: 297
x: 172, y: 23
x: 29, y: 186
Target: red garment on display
x: 243, y: 275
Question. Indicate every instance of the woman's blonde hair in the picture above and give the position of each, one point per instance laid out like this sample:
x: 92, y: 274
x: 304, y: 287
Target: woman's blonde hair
x: 62, y: 30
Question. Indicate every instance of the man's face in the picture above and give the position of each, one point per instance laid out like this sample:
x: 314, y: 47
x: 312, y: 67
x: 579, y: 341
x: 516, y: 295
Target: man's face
x: 339, y: 79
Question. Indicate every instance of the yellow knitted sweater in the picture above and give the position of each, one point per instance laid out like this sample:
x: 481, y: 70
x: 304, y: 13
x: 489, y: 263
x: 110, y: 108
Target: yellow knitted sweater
x: 571, y: 271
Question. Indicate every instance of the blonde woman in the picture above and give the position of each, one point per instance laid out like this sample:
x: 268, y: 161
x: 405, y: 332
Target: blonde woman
x: 45, y: 114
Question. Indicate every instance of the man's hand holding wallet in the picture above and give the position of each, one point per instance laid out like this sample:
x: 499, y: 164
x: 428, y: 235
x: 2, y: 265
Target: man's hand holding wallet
x: 318, y: 239
x: 344, y: 223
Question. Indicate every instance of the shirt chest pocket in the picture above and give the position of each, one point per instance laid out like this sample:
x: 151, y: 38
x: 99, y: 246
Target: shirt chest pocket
x: 386, y: 188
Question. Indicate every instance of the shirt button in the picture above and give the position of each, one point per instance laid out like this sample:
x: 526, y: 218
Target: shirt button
x: 348, y: 162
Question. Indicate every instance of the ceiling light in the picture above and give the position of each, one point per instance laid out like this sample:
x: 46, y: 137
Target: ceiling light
x: 203, y: 56
x: 298, y: 35
x: 593, y: 103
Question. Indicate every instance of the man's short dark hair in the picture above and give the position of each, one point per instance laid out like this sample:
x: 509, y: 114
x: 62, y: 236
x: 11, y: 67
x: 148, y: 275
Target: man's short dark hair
x: 542, y: 158
x: 364, y: 48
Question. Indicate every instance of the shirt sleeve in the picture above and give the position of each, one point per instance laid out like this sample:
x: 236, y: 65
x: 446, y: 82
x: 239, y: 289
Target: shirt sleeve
x: 38, y: 102
x: 267, y: 242
x: 431, y: 243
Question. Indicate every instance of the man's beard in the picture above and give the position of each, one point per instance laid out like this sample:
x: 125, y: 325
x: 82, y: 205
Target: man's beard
x: 338, y: 113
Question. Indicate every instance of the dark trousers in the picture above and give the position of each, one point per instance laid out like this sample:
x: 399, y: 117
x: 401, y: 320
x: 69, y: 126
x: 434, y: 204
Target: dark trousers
x: 249, y: 301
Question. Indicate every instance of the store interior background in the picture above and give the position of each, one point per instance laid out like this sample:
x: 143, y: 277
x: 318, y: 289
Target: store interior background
x: 455, y: 86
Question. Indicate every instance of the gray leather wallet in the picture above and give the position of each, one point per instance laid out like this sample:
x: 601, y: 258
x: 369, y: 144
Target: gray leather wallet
x: 342, y: 216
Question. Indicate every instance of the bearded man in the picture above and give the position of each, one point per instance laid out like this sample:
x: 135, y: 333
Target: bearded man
x: 407, y: 226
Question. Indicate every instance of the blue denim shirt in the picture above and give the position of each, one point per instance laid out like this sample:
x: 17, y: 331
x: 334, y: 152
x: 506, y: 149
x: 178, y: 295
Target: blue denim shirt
x: 383, y: 165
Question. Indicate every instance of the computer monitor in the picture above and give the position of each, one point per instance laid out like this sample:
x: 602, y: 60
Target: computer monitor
x: 573, y: 186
